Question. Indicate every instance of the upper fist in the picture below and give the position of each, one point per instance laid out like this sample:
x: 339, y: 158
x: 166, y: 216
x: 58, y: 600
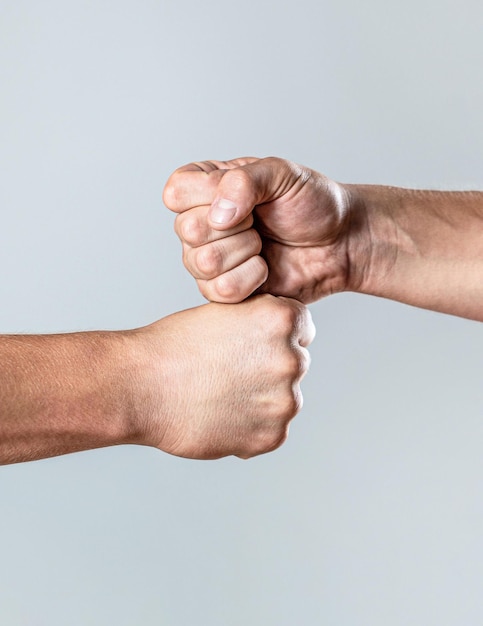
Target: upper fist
x: 260, y: 224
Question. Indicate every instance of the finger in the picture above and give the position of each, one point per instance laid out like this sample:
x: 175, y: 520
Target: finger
x: 242, y: 188
x: 304, y: 327
x: 214, y: 164
x: 187, y: 188
x: 217, y: 257
x: 196, y: 183
x: 192, y: 227
x: 305, y: 361
x: 237, y: 284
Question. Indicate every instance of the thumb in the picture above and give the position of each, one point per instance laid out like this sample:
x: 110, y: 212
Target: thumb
x: 242, y: 188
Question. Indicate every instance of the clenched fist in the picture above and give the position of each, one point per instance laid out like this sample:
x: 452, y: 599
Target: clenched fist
x: 203, y: 383
x: 223, y: 379
x: 265, y: 224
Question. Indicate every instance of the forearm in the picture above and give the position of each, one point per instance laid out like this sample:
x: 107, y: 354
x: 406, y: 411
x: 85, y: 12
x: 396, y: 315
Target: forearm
x: 423, y: 248
x: 64, y: 393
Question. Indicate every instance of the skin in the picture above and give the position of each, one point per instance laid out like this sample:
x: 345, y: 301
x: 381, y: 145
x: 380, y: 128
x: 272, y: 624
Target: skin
x: 204, y: 383
x: 224, y: 379
x: 289, y: 230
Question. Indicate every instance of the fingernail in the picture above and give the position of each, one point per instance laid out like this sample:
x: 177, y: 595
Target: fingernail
x: 222, y: 211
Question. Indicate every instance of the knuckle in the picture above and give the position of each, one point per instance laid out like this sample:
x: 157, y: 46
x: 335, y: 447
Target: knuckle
x: 306, y: 360
x: 244, y: 456
x: 270, y: 440
x: 190, y: 229
x: 282, y: 438
x: 294, y: 319
x: 209, y: 260
x: 296, y: 365
x: 292, y: 405
x: 225, y: 286
x: 276, y: 162
x: 237, y: 180
x: 289, y: 168
x: 286, y: 318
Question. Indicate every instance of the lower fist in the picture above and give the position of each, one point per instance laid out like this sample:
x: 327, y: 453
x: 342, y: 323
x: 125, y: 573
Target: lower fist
x: 224, y: 379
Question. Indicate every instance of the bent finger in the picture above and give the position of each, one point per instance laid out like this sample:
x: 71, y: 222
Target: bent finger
x: 192, y: 227
x: 237, y: 284
x: 217, y: 257
x: 196, y: 183
x: 243, y: 188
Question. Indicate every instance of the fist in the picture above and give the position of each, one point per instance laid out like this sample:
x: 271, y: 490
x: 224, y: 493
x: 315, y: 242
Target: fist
x: 225, y: 379
x: 261, y: 224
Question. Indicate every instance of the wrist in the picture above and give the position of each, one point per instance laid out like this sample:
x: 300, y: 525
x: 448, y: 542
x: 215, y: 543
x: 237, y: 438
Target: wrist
x: 147, y: 379
x: 125, y: 360
x: 372, y: 238
x: 419, y: 247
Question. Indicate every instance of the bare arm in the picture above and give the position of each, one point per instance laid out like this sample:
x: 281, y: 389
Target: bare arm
x: 203, y: 383
x: 424, y: 248
x: 277, y: 227
x: 64, y: 393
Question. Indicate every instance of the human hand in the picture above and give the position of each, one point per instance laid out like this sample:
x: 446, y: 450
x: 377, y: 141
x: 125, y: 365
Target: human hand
x: 265, y: 224
x: 222, y: 379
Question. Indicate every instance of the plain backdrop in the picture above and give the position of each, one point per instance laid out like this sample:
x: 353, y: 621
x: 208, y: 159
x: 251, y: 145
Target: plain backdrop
x: 372, y: 512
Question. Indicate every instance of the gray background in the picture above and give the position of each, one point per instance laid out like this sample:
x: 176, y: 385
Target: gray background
x: 372, y: 513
